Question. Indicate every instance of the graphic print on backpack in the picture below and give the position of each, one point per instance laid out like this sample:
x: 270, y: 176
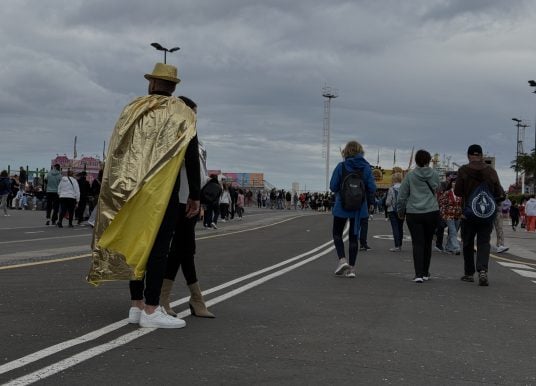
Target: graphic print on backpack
x: 480, y: 205
x: 352, y: 190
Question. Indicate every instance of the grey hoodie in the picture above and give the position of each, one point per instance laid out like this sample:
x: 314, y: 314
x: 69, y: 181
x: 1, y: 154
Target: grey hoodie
x: 415, y: 196
x: 53, y: 180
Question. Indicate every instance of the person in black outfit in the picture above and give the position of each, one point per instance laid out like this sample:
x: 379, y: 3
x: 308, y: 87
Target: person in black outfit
x: 182, y: 249
x: 85, y: 188
x: 514, y: 215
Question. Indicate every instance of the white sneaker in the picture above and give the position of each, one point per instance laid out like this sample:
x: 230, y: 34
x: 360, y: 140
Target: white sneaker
x: 213, y: 225
x: 395, y: 249
x: 426, y: 278
x: 134, y: 315
x: 342, y: 268
x: 160, y: 319
x: 502, y: 248
x: 350, y: 273
x: 418, y: 280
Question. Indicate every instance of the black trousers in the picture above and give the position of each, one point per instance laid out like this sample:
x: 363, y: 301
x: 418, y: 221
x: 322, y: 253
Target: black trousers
x: 80, y: 209
x: 182, y: 251
x: 337, y: 231
x: 156, y: 264
x: 421, y: 227
x: 363, y: 231
x: 67, y: 205
x: 53, y: 206
x: 482, y: 231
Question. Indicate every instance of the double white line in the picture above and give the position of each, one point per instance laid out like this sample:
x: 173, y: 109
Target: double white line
x: 129, y: 337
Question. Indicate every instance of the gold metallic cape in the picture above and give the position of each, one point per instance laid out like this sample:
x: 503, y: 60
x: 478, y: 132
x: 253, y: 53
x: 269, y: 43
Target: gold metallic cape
x: 145, y: 154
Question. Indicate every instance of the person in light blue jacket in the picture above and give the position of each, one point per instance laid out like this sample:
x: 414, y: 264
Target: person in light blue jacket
x: 354, y: 160
x: 417, y: 200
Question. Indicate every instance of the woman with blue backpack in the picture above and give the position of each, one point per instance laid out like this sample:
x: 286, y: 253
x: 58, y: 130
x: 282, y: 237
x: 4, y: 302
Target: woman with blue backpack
x: 354, y: 188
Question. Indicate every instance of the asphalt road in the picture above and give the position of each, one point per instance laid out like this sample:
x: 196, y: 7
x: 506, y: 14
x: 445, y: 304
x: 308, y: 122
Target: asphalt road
x: 282, y: 317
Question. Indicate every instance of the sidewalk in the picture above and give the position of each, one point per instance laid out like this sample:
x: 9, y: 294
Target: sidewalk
x: 521, y: 243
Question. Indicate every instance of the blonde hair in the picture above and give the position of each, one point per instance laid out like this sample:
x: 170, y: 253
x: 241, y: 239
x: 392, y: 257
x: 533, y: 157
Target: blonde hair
x: 351, y: 149
x: 396, y: 177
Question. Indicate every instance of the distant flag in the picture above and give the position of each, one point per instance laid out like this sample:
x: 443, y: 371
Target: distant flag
x: 74, y: 153
x: 411, y: 158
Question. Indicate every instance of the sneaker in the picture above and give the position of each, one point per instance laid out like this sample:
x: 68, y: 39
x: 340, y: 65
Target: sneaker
x: 502, y: 248
x: 483, y: 279
x: 418, y: 280
x: 342, y: 268
x: 48, y: 222
x: 437, y: 249
x: 213, y: 225
x: 468, y: 278
x: 365, y: 248
x: 160, y: 319
x: 457, y: 253
x: 395, y: 249
x: 350, y: 273
x: 134, y: 315
x: 426, y: 277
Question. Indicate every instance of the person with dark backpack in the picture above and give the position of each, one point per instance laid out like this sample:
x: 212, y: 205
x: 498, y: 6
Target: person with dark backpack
x: 479, y: 187
x: 354, y: 188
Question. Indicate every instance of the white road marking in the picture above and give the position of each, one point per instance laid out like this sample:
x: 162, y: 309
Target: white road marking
x: 60, y: 366
x: 34, y: 232
x: 531, y: 274
x: 514, y: 265
x: 44, y: 238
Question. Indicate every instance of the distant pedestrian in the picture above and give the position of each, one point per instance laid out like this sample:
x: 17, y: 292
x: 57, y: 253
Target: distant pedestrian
x: 354, y: 164
x: 477, y: 177
x: 514, y: 215
x: 397, y: 223
x: 240, y: 204
x: 53, y: 200
x: 530, y: 213
x: 85, y: 190
x: 417, y: 200
x: 5, y: 188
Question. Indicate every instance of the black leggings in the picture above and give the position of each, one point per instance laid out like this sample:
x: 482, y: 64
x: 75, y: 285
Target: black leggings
x: 67, y: 205
x: 338, y: 228
x: 422, y: 227
x: 156, y: 264
x: 182, y: 250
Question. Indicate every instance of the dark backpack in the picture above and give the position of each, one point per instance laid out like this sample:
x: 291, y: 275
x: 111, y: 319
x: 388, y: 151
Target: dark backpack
x: 480, y: 206
x: 352, y: 189
x: 210, y: 193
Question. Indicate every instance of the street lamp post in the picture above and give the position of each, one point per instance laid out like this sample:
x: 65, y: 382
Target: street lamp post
x: 532, y: 83
x: 519, y: 144
x: 159, y: 47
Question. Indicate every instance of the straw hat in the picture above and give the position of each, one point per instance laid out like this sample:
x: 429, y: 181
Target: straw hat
x: 165, y: 72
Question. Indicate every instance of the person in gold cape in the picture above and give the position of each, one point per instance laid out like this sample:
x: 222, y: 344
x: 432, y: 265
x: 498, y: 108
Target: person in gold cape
x: 138, y: 203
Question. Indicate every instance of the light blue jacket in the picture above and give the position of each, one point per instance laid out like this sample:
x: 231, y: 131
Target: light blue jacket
x: 53, y: 180
x: 415, y: 196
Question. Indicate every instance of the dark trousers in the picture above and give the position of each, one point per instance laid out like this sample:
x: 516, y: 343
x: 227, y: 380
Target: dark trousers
x: 439, y: 233
x: 224, y: 211
x: 157, y: 262
x: 482, y: 231
x: 515, y: 221
x: 338, y: 228
x: 363, y: 232
x: 212, y: 212
x: 53, y: 206
x: 182, y: 251
x: 397, y: 226
x: 67, y: 205
x: 80, y: 209
x: 421, y: 227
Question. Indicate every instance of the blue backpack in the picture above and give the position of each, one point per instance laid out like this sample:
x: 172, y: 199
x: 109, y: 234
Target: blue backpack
x: 480, y: 206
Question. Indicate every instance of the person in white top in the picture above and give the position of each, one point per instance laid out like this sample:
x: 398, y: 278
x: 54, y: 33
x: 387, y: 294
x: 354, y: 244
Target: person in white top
x: 225, y: 201
x: 69, y: 194
x: 530, y: 213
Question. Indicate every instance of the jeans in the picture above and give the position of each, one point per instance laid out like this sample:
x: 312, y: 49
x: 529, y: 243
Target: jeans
x: 422, y: 227
x: 338, y: 228
x: 453, y: 245
x: 3, y: 203
x: 397, y: 226
x: 482, y: 231
x: 498, y: 225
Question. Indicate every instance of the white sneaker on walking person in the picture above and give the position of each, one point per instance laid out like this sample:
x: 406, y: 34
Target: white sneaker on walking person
x: 160, y: 319
x: 502, y: 248
x: 342, y: 267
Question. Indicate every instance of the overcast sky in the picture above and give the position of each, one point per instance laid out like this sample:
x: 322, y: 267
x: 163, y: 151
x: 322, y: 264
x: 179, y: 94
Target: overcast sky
x: 432, y: 74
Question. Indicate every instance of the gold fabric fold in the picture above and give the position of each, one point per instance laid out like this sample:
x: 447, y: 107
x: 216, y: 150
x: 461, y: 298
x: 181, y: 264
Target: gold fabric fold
x: 145, y: 154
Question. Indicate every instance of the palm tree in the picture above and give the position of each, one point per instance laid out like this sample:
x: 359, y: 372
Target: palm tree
x: 526, y: 163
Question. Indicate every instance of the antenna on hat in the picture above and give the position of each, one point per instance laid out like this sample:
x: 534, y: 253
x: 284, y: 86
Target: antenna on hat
x: 159, y: 47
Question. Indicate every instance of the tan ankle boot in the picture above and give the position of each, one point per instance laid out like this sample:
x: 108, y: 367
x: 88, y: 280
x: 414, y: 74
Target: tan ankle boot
x: 165, y: 293
x: 197, y: 304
